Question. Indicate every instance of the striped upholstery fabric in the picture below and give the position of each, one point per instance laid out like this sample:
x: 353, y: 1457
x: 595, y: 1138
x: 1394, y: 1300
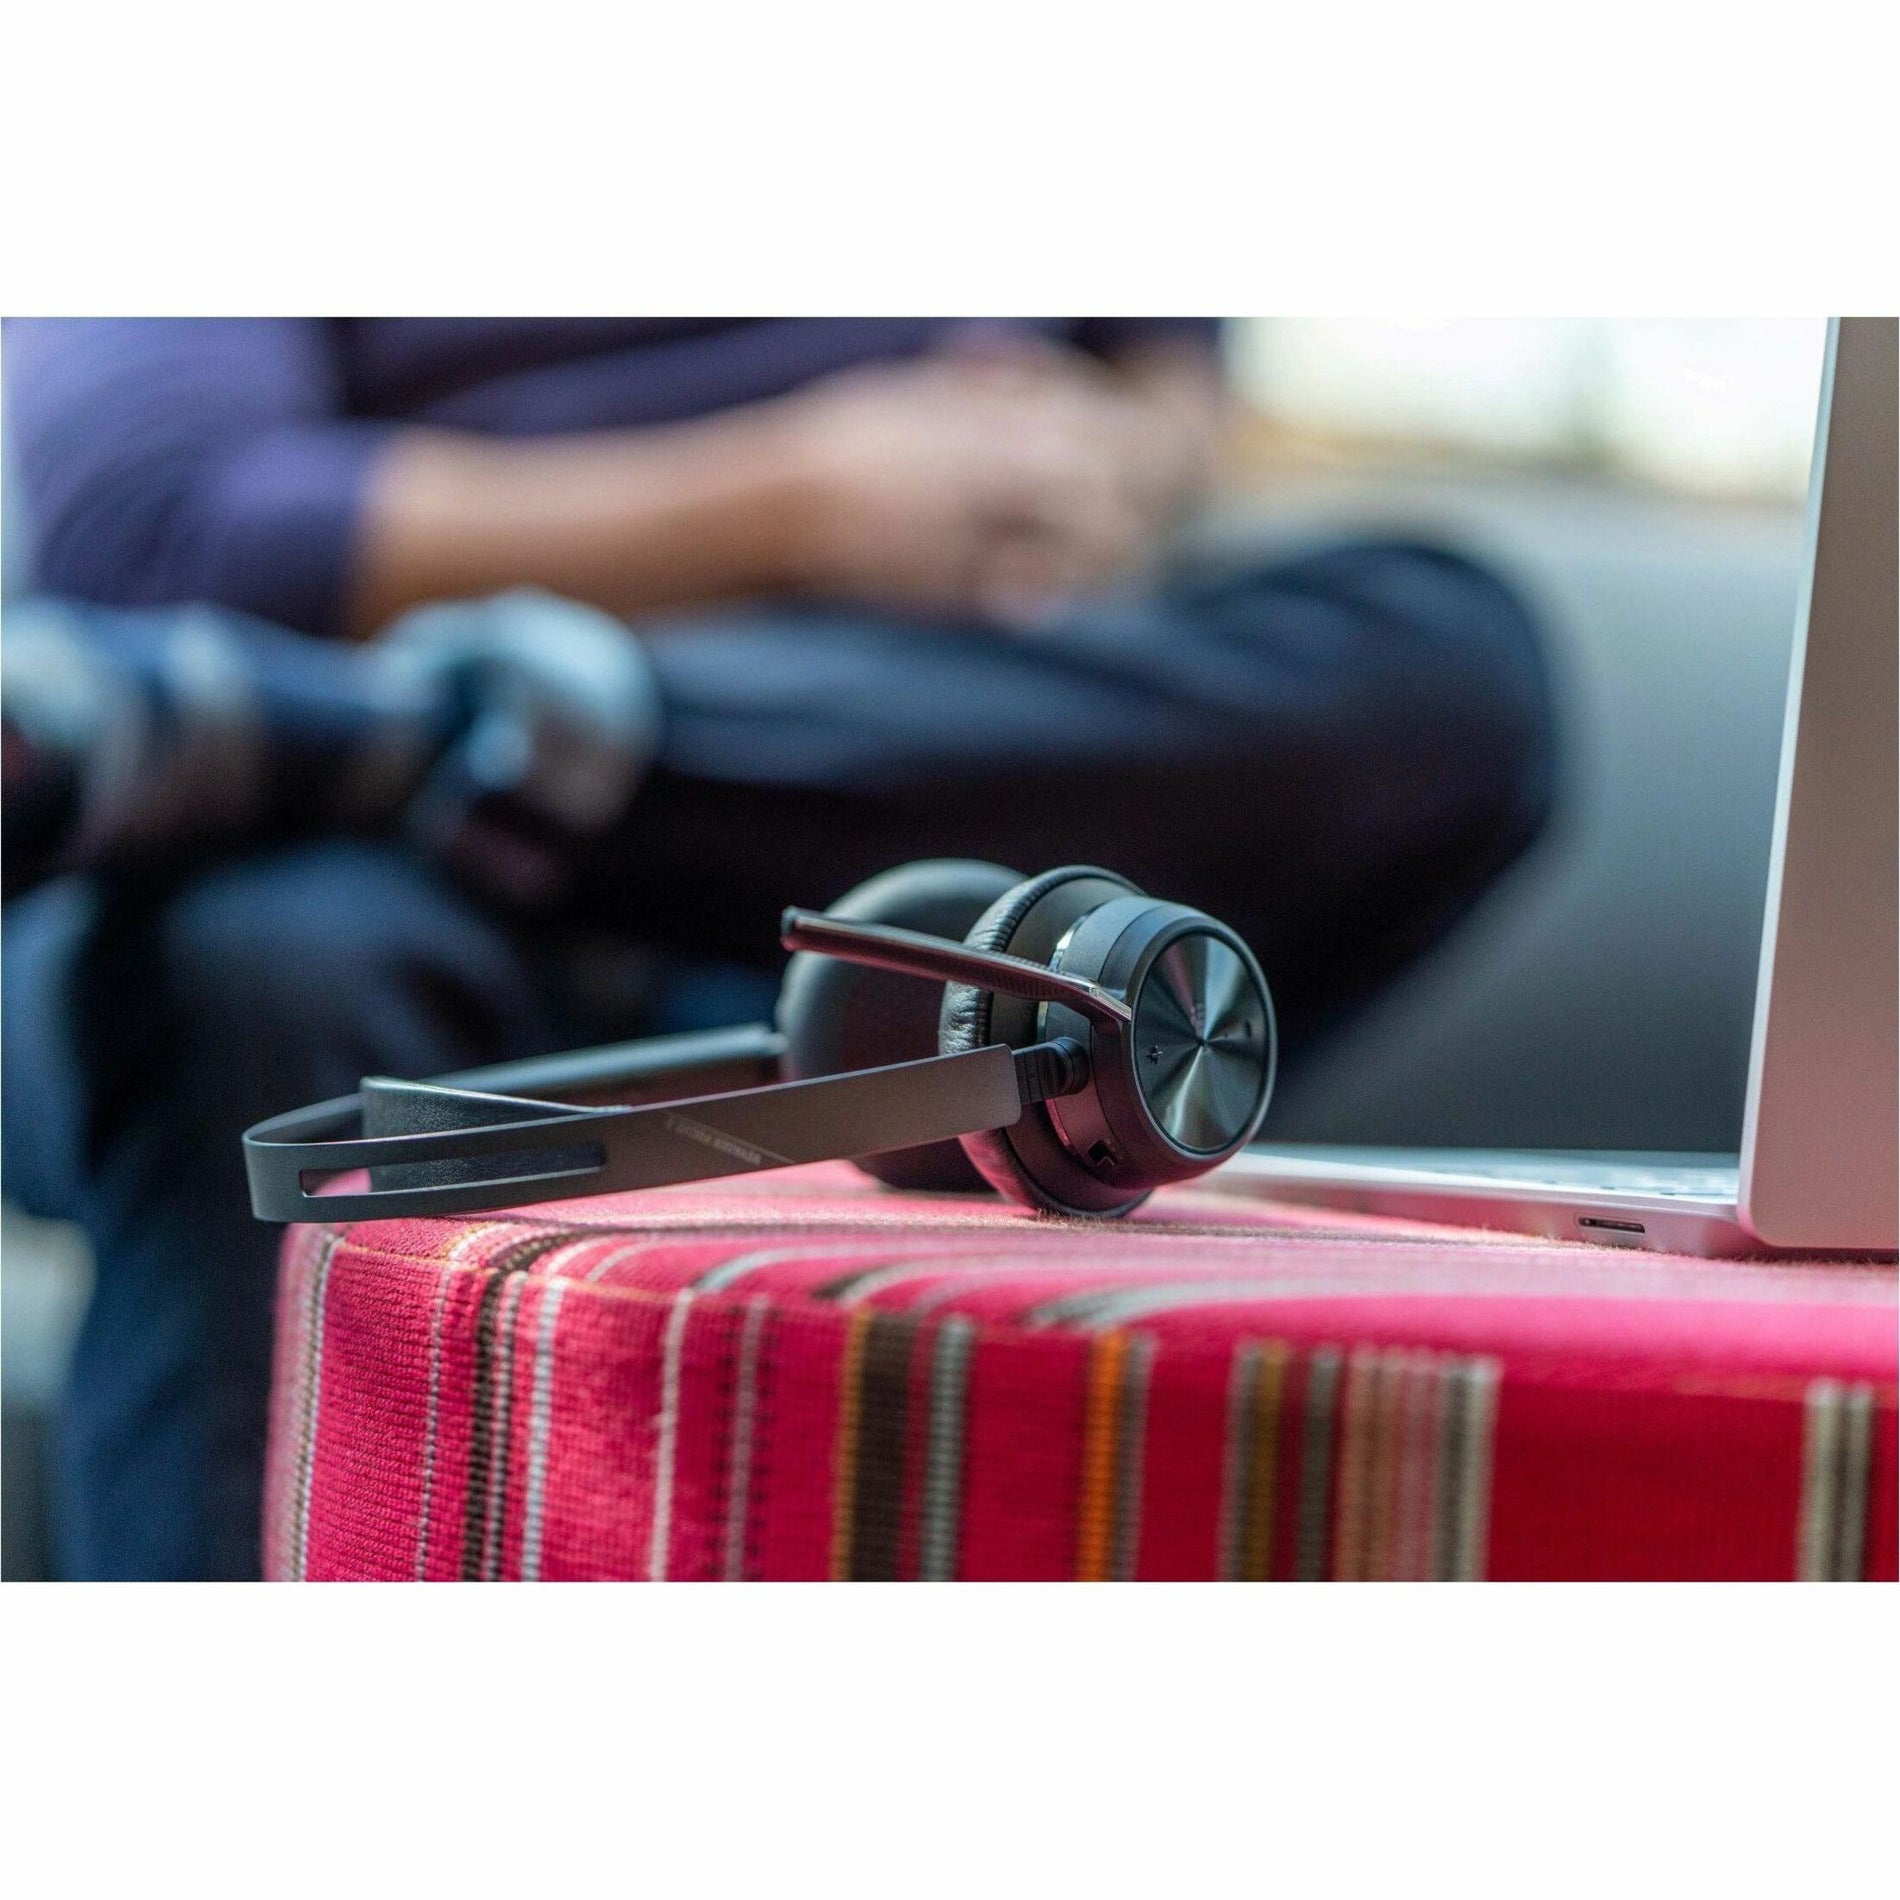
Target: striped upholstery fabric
x: 802, y: 1375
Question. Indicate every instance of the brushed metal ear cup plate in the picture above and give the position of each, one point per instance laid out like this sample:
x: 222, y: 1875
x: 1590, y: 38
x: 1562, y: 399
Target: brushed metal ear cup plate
x: 1200, y: 1038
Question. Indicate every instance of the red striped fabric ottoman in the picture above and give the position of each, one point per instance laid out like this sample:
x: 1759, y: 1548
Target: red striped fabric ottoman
x: 803, y: 1375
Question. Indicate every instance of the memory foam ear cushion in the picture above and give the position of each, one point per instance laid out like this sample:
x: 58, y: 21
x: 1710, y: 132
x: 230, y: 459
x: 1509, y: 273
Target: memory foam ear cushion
x: 837, y: 1016
x: 1056, y: 1182
x: 964, y: 1021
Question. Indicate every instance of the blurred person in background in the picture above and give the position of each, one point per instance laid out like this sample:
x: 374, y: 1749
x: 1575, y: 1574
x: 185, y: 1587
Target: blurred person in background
x: 805, y: 599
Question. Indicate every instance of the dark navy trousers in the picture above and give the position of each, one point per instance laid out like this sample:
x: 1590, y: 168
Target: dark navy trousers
x: 1334, y: 754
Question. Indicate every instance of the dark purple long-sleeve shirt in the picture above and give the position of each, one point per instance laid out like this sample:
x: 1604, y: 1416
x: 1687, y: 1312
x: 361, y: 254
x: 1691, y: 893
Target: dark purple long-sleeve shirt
x: 224, y: 460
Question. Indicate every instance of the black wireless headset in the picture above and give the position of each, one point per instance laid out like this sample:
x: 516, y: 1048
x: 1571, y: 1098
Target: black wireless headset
x: 1088, y: 1045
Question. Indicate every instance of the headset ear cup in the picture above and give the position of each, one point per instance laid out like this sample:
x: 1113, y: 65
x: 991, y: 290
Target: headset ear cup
x: 837, y: 1016
x: 1028, y: 1163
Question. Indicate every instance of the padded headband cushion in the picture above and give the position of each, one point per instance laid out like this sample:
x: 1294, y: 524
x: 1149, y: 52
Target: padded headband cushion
x: 837, y: 1016
x: 1028, y: 1163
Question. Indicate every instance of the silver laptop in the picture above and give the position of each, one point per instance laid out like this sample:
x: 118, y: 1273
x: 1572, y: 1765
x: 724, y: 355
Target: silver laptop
x: 1818, y: 1166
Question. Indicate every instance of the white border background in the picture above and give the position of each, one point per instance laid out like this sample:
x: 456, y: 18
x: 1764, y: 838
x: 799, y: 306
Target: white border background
x: 1462, y: 159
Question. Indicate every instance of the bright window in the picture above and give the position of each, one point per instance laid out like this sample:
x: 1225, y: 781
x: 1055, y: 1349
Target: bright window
x: 1716, y: 406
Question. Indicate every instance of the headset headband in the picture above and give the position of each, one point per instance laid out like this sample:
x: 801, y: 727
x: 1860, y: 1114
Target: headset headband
x: 469, y: 1142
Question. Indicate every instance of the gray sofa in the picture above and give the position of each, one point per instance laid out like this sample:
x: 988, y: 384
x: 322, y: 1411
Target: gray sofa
x: 1602, y: 996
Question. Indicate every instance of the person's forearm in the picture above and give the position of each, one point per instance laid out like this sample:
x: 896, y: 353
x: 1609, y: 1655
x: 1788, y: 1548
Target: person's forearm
x: 627, y: 521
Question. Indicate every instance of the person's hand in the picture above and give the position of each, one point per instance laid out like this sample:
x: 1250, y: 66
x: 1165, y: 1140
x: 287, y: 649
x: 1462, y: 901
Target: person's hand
x: 1175, y: 394
x: 998, y: 482
x: 1160, y: 406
